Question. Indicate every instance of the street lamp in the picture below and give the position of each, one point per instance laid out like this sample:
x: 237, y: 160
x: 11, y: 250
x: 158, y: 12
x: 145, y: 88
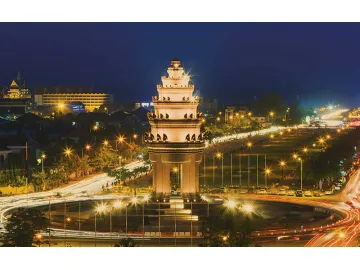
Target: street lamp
x: 267, y: 172
x: 67, y: 152
x: 105, y: 142
x: 38, y: 237
x: 248, y: 208
x: 295, y: 155
x: 282, y: 165
x: 272, y: 136
x: 99, y: 209
x: 95, y: 127
x: 120, y: 139
x: 249, y: 145
x: 230, y: 204
x: 321, y: 140
x: 301, y: 173
x: 43, y: 156
x: 221, y: 156
x: 145, y: 200
x: 87, y: 148
x: 305, y: 150
x: 281, y: 133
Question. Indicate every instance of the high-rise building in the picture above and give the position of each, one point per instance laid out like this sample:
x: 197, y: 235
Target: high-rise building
x: 175, y: 143
x: 55, y: 95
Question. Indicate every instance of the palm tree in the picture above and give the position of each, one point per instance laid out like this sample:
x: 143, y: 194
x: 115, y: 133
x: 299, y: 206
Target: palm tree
x: 126, y: 242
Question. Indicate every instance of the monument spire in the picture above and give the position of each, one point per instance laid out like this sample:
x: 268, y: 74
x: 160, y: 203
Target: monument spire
x: 175, y: 140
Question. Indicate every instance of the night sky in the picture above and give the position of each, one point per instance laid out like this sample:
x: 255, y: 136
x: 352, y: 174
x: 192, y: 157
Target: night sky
x: 230, y: 61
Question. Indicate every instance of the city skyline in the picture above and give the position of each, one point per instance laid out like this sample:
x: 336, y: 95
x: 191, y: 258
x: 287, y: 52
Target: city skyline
x: 241, y: 60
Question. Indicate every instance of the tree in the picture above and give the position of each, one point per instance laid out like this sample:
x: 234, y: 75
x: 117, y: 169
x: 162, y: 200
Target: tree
x: 22, y: 226
x: 126, y: 242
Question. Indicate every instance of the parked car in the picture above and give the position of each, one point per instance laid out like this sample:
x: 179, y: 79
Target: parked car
x: 349, y: 203
x: 261, y: 191
x: 308, y: 193
x: 329, y: 192
x: 299, y: 193
x: 317, y: 194
x: 336, y: 188
x: 282, y: 192
x: 291, y: 193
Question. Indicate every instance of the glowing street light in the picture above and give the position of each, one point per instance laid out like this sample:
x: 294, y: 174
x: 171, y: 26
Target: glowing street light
x: 95, y: 127
x: 321, y: 140
x: 281, y: 133
x: 230, y: 204
x: 221, y: 156
x: 305, y: 150
x: 328, y: 136
x: 105, y: 142
x: 99, y: 209
x: 248, y: 208
x: 249, y: 144
x: 267, y: 173
x: 134, y: 200
x: 271, y: 114
x: 38, y: 237
x: 87, y: 148
x: 282, y: 165
x: 249, y: 113
x: 67, y: 152
x: 272, y: 136
x: 295, y: 155
x: 118, y: 204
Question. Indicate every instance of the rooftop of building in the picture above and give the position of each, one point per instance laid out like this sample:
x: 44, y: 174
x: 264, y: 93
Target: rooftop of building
x: 39, y: 90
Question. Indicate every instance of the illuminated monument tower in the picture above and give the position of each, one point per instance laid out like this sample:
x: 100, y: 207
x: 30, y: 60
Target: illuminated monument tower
x: 175, y: 142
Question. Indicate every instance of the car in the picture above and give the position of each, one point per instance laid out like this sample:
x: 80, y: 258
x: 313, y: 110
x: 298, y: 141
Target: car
x: 291, y: 193
x: 282, y: 192
x: 329, y: 192
x: 261, y: 191
x: 317, y: 194
x: 349, y: 203
x: 336, y: 188
x: 298, y: 193
x: 339, y: 184
x: 308, y: 193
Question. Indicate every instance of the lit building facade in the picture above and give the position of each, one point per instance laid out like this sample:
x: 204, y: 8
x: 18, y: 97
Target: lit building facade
x: 175, y: 142
x: 17, y: 89
x: 52, y: 96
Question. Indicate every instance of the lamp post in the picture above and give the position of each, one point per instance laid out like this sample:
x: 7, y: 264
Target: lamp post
x: 43, y: 156
x: 301, y: 173
x: 267, y: 172
x: 79, y: 217
x: 213, y: 171
x: 257, y: 170
x: 204, y: 183
x: 282, y: 165
x: 220, y: 156
x: 38, y: 238
x: 231, y: 171
x: 49, y: 214
x: 99, y: 209
x: 120, y: 139
x: 305, y: 150
x: 87, y: 148
x: 240, y: 170
x: 249, y: 145
x: 145, y: 200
